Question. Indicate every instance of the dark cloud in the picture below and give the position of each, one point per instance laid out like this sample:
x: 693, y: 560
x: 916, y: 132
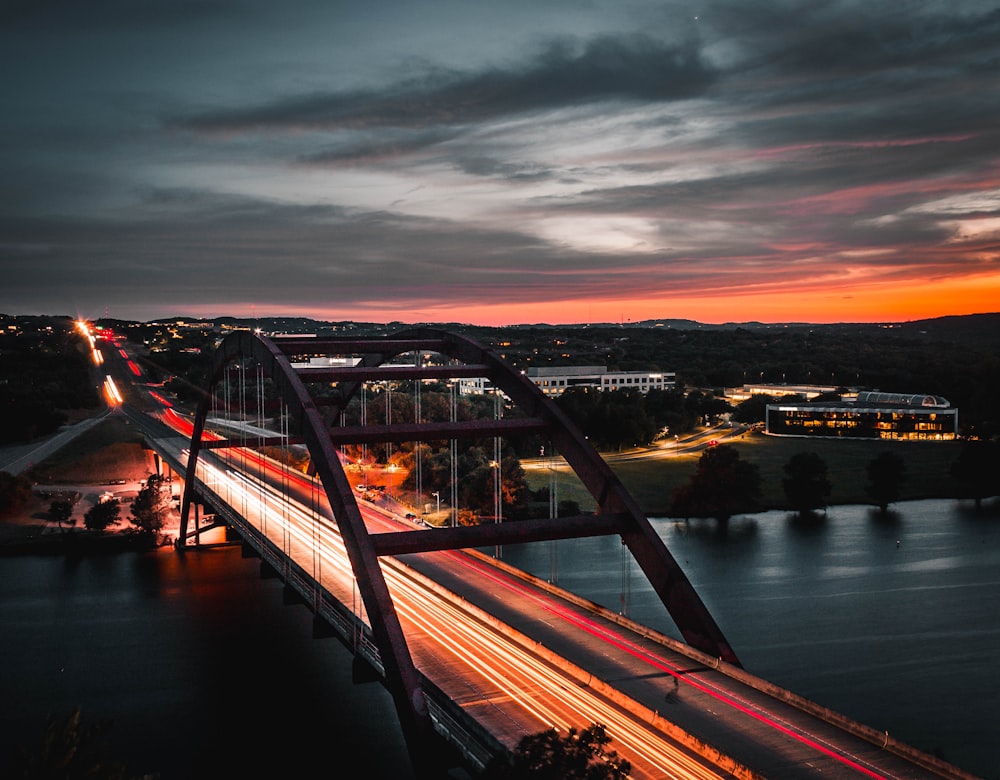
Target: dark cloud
x: 368, y: 150
x: 316, y: 157
x: 488, y: 166
x: 114, y: 14
x: 633, y: 68
x: 860, y: 38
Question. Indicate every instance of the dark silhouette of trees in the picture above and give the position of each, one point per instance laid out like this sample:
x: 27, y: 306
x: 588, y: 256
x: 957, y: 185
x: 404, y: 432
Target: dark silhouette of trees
x: 616, y: 419
x: 151, y: 507
x: 15, y: 492
x: 722, y: 486
x: 60, y: 510
x: 69, y: 750
x: 886, y: 475
x: 578, y: 755
x: 805, y: 482
x: 611, y: 420
x: 45, y: 370
x: 977, y: 469
x: 102, y: 515
x: 669, y: 411
x: 753, y: 410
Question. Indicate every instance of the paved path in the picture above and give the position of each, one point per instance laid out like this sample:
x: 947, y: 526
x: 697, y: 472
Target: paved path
x: 15, y: 460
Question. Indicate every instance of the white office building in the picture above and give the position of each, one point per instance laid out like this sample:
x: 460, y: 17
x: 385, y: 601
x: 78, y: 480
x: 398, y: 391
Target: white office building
x: 556, y: 380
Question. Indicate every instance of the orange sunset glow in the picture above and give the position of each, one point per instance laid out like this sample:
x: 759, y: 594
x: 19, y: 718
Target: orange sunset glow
x: 491, y: 164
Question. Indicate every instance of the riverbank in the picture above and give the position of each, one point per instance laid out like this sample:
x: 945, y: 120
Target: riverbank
x: 112, y: 450
x: 652, y: 474
x: 106, y: 457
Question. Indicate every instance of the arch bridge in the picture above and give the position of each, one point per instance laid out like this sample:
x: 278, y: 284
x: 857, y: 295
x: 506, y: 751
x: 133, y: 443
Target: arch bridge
x: 313, y: 398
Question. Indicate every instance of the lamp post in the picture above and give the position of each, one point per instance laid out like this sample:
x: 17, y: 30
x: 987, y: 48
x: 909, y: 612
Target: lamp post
x: 438, y: 497
x: 677, y: 444
x: 497, y: 500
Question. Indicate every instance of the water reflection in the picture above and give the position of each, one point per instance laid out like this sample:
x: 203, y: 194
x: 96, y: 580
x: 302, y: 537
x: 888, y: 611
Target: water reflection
x: 888, y: 619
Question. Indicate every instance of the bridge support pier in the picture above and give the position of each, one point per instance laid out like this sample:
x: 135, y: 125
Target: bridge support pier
x: 322, y: 629
x: 291, y: 597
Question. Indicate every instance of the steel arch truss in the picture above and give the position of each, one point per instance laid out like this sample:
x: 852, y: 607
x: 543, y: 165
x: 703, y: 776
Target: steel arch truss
x: 617, y: 512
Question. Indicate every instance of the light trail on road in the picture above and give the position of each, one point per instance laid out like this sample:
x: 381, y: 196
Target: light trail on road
x: 618, y: 640
x: 546, y: 697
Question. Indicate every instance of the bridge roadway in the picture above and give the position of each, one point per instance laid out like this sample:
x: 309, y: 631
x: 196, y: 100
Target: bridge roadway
x: 491, y: 638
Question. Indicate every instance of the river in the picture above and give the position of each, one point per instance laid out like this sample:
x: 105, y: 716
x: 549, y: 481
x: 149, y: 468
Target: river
x: 205, y: 672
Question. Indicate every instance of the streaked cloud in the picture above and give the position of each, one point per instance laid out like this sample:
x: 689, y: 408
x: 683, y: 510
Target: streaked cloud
x: 781, y: 160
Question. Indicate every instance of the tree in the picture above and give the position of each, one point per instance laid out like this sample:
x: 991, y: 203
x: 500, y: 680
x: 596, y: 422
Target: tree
x: 805, y: 482
x: 72, y: 751
x: 976, y: 468
x: 886, y: 475
x: 579, y: 755
x: 60, y: 510
x: 753, y: 409
x: 721, y: 486
x: 151, y: 507
x: 102, y: 515
x: 15, y: 492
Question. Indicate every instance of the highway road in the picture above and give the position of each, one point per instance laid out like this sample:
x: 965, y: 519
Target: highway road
x: 521, y: 656
x: 484, y: 649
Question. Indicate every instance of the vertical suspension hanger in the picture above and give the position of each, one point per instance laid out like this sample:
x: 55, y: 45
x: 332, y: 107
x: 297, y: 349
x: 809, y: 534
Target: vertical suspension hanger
x: 496, y: 471
x: 364, y: 421
x: 553, y: 512
x: 285, y: 481
x: 259, y: 424
x: 626, y: 584
x: 453, y: 447
x: 418, y: 419
x: 388, y: 444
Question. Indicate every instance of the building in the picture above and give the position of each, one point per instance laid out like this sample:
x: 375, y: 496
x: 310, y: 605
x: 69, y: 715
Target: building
x: 738, y: 394
x: 871, y: 415
x: 556, y: 380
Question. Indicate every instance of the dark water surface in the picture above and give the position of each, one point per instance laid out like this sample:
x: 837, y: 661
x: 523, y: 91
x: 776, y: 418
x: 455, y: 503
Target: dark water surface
x: 205, y: 672
x: 902, y: 638
x: 202, y: 669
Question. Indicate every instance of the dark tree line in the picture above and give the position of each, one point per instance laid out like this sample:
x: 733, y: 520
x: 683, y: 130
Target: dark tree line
x: 45, y: 371
x: 627, y: 418
x: 958, y: 358
x: 579, y: 754
x: 723, y: 485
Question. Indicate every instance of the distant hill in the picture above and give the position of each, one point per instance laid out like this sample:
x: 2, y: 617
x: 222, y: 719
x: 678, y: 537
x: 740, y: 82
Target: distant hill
x: 975, y: 329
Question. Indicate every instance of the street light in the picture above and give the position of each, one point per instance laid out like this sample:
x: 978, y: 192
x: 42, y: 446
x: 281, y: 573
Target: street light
x: 677, y: 444
x: 438, y: 497
x: 497, y: 501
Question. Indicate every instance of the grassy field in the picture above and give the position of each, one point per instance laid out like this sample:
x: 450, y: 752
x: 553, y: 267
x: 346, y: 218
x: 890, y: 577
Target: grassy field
x: 112, y: 449
x: 652, y: 481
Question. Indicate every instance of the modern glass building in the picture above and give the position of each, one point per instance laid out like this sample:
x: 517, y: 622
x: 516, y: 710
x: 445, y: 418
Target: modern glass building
x: 872, y: 415
x: 556, y: 380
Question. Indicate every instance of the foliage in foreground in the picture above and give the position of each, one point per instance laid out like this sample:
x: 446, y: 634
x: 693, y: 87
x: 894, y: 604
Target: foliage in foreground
x: 722, y: 486
x: 151, y: 507
x: 805, y: 483
x: 886, y: 475
x: 579, y: 755
x: 70, y: 750
x: 15, y: 492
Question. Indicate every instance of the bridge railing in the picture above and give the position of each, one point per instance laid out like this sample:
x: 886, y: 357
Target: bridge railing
x: 473, y: 742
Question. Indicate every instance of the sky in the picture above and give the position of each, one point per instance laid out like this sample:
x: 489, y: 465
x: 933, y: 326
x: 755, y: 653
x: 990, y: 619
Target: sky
x: 503, y: 162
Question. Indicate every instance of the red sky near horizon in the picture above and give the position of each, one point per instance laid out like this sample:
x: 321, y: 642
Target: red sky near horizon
x: 502, y: 163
